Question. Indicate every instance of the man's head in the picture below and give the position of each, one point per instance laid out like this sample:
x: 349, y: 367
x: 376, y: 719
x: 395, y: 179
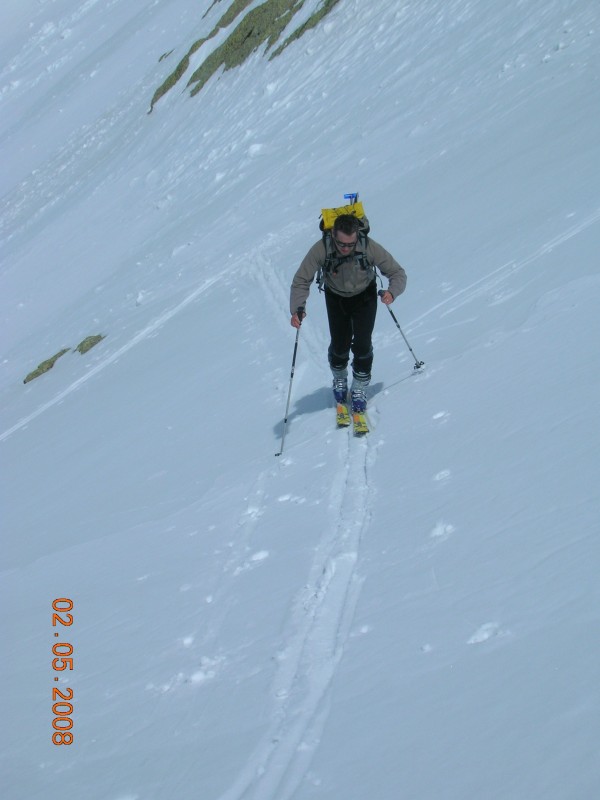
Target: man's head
x: 345, y: 233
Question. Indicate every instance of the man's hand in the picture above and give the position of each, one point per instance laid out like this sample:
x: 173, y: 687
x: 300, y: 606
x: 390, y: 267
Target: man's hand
x: 386, y: 297
x: 296, y: 320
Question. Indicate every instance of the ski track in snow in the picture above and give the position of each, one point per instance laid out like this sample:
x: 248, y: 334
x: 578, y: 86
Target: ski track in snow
x: 314, y: 639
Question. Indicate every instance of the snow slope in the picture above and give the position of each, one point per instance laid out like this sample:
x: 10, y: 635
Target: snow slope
x: 410, y: 615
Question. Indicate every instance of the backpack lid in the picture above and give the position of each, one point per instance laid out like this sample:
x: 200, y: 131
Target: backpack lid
x: 329, y: 215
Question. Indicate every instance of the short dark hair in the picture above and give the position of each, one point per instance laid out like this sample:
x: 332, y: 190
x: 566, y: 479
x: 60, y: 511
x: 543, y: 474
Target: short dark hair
x: 346, y: 223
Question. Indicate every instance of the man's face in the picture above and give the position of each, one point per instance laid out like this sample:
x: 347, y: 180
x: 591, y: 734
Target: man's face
x: 344, y: 242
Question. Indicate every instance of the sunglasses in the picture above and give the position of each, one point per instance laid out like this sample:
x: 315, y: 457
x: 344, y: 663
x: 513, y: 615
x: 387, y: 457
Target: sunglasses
x: 345, y: 245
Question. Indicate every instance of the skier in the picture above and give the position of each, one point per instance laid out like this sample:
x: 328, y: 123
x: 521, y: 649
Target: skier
x: 350, y: 286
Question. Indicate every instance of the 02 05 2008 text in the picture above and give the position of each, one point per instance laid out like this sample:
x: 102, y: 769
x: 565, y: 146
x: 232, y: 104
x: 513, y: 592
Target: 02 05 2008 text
x: 62, y: 700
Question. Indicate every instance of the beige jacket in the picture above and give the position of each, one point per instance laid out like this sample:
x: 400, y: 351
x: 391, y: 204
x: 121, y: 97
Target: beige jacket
x: 348, y: 277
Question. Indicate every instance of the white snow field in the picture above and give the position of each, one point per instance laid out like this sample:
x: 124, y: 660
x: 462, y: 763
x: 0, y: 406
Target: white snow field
x: 414, y: 615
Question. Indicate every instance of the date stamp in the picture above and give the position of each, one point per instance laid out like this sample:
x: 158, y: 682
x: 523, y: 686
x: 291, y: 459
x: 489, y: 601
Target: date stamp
x: 62, y: 701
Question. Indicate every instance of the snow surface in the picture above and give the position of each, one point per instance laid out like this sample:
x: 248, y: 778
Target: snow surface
x: 411, y: 615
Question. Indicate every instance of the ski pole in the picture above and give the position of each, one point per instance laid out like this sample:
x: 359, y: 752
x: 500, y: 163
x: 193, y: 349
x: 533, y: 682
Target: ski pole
x: 300, y: 313
x: 418, y: 364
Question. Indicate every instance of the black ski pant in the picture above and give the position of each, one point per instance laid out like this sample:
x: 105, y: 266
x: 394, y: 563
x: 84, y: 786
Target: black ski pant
x: 351, y: 323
